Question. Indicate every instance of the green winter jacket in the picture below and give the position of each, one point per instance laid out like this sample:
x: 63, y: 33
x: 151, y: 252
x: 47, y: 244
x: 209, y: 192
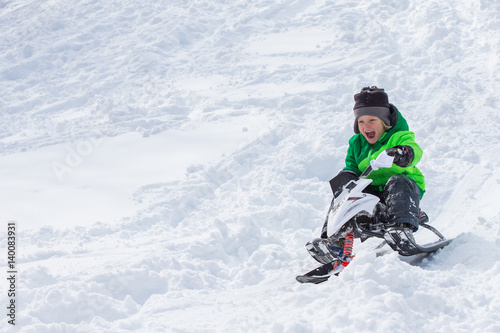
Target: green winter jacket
x: 361, y: 152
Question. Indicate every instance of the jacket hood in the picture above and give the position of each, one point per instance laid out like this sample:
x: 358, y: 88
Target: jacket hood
x: 398, y: 122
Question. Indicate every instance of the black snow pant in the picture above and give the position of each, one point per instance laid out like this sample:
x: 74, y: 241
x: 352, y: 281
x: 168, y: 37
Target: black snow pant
x: 401, y: 196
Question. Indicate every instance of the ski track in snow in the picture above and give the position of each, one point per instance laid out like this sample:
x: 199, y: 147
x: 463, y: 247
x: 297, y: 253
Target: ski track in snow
x: 213, y: 243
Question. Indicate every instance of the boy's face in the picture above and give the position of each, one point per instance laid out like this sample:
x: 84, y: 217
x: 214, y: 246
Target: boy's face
x: 371, y: 127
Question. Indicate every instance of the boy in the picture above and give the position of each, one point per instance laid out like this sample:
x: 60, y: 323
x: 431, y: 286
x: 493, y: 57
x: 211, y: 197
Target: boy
x: 379, y: 126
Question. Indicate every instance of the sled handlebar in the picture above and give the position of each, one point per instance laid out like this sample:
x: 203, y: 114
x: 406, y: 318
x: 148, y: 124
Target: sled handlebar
x: 382, y: 161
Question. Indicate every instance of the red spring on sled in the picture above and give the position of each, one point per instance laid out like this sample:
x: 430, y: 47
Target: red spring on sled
x: 348, y: 244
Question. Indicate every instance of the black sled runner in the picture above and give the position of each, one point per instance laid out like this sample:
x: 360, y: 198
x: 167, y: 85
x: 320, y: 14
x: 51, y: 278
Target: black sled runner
x: 355, y: 214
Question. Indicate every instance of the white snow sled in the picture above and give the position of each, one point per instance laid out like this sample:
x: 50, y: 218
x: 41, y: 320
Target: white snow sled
x: 355, y: 214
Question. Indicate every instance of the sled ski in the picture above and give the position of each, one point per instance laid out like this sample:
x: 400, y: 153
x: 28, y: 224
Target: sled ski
x: 334, y: 267
x: 322, y: 273
x: 402, y: 241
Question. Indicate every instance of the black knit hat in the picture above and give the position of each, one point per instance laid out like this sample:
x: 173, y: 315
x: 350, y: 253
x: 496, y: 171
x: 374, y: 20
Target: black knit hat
x: 371, y: 101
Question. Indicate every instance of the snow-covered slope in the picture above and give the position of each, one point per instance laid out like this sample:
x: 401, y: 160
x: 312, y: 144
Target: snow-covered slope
x: 166, y: 161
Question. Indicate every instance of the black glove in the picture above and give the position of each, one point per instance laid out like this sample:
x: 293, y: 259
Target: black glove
x: 403, y: 155
x: 338, y: 182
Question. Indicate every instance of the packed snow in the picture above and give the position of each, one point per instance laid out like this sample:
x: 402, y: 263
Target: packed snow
x: 164, y: 163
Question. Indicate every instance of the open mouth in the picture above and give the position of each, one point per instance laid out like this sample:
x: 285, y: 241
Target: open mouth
x: 370, y: 135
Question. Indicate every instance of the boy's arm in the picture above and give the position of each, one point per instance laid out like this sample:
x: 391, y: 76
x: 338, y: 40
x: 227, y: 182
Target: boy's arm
x: 406, y: 151
x: 350, y: 162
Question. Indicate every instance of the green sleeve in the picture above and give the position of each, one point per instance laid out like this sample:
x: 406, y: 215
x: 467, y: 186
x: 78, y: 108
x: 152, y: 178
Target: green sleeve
x: 350, y: 160
x: 407, y: 138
